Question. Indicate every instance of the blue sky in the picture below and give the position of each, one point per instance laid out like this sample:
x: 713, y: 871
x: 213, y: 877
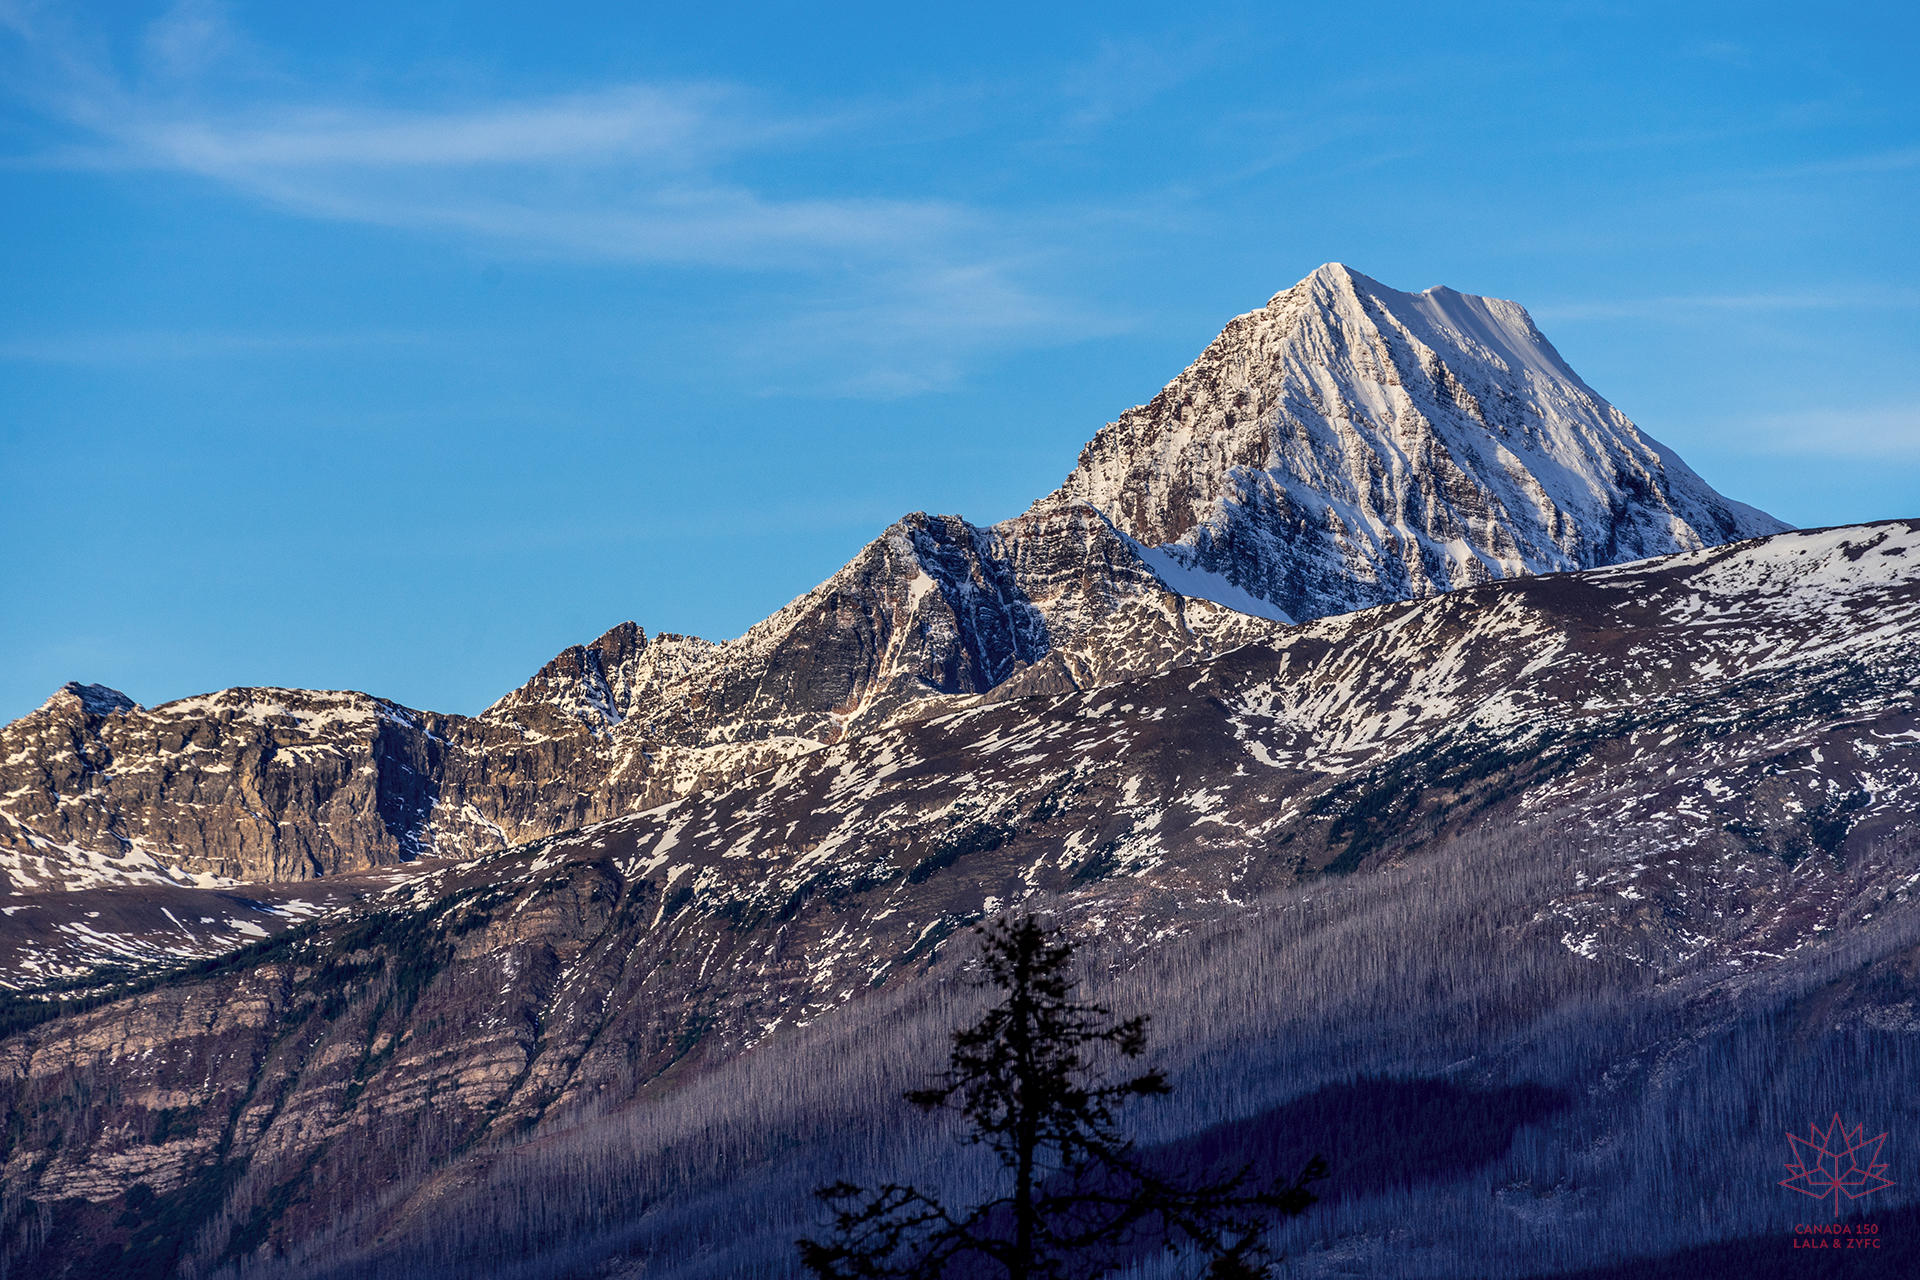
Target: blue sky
x: 396, y: 347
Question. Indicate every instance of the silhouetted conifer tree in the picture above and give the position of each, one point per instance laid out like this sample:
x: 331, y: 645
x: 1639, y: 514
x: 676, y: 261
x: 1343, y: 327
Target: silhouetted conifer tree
x: 1081, y: 1202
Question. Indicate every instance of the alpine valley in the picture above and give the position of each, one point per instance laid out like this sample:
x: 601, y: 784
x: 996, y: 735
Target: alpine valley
x: 1468, y: 792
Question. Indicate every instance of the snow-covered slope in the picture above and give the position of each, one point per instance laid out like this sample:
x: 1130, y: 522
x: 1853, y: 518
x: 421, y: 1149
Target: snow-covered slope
x: 1348, y: 445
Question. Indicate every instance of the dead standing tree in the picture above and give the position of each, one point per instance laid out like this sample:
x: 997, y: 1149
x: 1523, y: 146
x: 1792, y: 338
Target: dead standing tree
x: 1082, y: 1202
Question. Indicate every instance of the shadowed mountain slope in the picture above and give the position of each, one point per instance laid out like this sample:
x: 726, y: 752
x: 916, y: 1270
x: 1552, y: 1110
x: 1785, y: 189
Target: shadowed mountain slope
x: 1717, y: 754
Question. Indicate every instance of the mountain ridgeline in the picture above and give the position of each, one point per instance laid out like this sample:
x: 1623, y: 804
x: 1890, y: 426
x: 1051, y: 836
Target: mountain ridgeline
x: 1347, y: 445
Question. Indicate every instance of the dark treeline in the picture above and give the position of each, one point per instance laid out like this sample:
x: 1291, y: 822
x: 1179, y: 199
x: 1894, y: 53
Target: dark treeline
x: 1495, y: 1103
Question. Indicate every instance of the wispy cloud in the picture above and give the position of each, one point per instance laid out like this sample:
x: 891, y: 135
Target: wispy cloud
x: 161, y: 346
x: 912, y: 335
x: 676, y: 127
x: 1897, y: 160
x: 635, y: 174
x: 1127, y: 75
x: 1654, y: 308
x: 1864, y: 432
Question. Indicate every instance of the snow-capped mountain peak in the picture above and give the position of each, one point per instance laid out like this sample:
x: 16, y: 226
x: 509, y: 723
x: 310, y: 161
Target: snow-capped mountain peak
x: 1349, y: 444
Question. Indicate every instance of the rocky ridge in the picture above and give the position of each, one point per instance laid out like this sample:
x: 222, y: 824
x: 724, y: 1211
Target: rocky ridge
x: 287, y: 784
x: 1346, y: 446
x: 933, y: 608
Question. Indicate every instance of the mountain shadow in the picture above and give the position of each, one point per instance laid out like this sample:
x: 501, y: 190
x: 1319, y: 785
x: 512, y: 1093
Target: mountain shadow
x: 1376, y: 1134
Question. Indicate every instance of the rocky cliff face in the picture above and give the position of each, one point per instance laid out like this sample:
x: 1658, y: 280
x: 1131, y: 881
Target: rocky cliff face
x: 278, y: 784
x: 257, y: 783
x: 934, y: 608
x: 1349, y: 444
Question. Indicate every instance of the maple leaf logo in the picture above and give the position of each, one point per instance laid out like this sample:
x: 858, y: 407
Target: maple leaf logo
x: 1836, y: 1161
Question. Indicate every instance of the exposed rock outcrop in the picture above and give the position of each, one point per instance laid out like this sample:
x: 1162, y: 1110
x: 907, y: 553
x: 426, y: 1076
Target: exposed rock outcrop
x: 276, y: 784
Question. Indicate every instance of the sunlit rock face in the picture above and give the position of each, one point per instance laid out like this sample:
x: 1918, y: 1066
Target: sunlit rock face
x: 934, y: 607
x: 290, y: 784
x: 267, y: 784
x: 1349, y: 445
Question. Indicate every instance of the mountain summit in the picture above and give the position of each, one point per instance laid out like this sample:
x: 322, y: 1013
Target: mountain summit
x: 1348, y: 445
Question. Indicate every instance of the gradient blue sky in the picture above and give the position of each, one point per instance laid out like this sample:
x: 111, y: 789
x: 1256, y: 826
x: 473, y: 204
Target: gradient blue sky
x: 396, y: 347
